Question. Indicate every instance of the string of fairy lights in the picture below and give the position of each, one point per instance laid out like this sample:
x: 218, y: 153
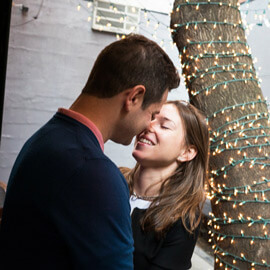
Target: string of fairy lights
x: 235, y: 135
x: 152, y: 25
x: 252, y: 17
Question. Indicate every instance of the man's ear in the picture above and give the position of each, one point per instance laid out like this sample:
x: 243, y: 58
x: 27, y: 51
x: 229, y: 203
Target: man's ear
x: 134, y: 97
x: 188, y: 154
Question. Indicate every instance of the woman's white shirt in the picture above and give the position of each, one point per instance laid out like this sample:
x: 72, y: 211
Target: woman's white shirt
x: 138, y: 203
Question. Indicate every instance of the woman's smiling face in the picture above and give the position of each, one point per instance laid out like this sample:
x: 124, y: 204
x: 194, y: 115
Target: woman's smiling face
x: 163, y: 141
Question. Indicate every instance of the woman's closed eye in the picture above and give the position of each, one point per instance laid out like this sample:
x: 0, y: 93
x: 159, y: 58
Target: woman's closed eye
x: 164, y: 127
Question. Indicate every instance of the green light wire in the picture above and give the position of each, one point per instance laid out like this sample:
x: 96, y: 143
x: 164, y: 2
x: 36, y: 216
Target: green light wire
x: 220, y: 71
x: 213, y: 86
x: 246, y: 186
x: 196, y: 23
x: 236, y: 106
x: 243, y: 259
x: 226, y: 168
x: 206, y: 3
x: 240, y: 236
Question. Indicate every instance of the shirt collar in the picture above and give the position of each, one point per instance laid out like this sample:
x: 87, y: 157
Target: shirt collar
x: 85, y: 121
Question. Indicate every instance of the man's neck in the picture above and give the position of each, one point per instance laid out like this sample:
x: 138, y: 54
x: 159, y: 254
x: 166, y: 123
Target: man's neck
x: 103, y: 112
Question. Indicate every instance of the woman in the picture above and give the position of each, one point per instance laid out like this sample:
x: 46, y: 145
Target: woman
x: 167, y: 187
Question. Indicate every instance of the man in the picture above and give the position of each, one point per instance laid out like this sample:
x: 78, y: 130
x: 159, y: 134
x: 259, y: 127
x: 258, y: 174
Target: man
x: 67, y: 204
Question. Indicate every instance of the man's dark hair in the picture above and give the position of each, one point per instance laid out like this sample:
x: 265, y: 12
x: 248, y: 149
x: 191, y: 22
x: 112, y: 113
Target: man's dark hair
x: 135, y: 60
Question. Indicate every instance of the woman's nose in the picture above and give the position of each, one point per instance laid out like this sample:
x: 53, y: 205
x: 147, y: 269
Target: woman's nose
x: 151, y: 126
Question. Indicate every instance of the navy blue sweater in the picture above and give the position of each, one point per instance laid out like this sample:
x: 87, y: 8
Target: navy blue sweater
x: 67, y: 204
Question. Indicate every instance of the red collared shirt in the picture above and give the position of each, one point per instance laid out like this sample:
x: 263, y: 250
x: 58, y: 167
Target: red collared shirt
x: 85, y: 121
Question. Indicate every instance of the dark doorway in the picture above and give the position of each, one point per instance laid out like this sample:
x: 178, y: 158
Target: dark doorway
x: 5, y: 13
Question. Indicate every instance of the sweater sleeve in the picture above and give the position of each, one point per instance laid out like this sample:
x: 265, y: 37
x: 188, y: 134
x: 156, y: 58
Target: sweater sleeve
x: 176, y: 250
x: 92, y: 214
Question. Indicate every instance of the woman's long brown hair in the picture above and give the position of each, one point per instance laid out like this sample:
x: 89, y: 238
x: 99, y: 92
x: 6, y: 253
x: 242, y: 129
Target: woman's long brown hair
x: 182, y: 195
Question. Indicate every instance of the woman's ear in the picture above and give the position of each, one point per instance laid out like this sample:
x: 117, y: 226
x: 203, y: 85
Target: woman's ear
x: 188, y: 154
